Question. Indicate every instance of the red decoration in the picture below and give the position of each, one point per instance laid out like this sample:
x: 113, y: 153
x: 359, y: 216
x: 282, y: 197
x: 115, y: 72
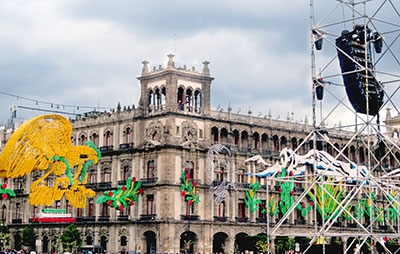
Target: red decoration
x: 194, y: 183
x: 140, y: 190
x: 282, y: 182
x: 4, y: 186
x: 291, y: 173
x: 311, y: 203
x: 132, y: 203
x: 4, y: 196
x: 279, y: 199
x: 183, y: 193
x: 190, y: 202
x: 110, y: 193
x: 187, y: 176
x: 292, y: 192
x: 123, y: 187
x: 303, y: 205
x: 109, y: 202
x: 133, y: 179
x: 280, y: 189
x: 121, y: 207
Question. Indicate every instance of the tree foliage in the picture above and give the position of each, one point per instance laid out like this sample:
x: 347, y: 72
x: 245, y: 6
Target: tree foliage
x: 29, y: 236
x: 4, y: 236
x: 71, y: 238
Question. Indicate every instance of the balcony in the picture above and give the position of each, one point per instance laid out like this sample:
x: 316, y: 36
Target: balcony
x: 106, y: 150
x: 121, y: 182
x: 261, y: 220
x: 123, y: 218
x: 103, y: 218
x: 126, y: 146
x: 16, y: 221
x: 151, y: 217
x: 300, y: 222
x: 220, y: 218
x: 90, y: 185
x: 198, y: 181
x: 104, y: 185
x: 190, y: 217
x: 241, y: 219
x: 151, y: 180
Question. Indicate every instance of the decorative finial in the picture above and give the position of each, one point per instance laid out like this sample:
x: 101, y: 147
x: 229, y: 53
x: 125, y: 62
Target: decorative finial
x: 170, y: 64
x: 388, y: 114
x: 206, y: 70
x: 269, y: 113
x: 145, y: 69
x: 229, y: 108
x: 119, y: 107
x: 250, y: 112
x: 305, y: 120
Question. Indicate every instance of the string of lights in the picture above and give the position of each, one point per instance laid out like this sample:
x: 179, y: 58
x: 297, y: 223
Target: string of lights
x: 52, y: 104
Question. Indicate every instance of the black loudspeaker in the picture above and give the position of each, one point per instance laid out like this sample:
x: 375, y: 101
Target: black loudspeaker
x: 354, y: 56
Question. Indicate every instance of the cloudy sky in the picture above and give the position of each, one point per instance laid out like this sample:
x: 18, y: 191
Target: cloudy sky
x: 81, y: 52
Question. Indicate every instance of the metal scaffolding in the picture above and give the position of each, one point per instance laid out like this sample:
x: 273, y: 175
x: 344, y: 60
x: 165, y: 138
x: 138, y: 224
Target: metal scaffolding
x: 369, y: 201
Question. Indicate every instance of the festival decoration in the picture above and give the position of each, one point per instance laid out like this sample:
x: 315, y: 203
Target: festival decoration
x: 220, y: 192
x: 54, y: 215
x: 189, y: 190
x: 44, y: 143
x: 273, y: 206
x: 327, y: 166
x: 251, y: 200
x: 326, y: 205
x: 5, y: 192
x: 393, y: 212
x: 124, y: 195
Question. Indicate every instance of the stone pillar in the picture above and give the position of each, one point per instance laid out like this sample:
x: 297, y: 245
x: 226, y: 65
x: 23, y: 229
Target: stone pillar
x: 229, y: 245
x: 272, y: 245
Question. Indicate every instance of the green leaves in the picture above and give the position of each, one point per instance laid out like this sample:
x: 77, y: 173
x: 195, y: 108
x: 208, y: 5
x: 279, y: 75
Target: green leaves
x: 124, y: 195
x: 71, y: 238
x: 189, y: 190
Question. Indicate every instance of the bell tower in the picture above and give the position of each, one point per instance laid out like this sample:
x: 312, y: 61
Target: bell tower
x: 176, y: 89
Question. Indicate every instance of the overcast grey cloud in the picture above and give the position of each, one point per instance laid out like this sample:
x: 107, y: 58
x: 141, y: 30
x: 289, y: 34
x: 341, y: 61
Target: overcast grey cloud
x: 90, y: 52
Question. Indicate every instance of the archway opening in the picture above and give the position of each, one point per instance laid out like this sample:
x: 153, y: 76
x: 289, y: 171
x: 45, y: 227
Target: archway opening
x: 150, y: 242
x: 219, y: 242
x: 188, y: 242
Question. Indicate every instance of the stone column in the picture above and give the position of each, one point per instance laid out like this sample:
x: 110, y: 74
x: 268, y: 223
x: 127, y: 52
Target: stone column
x: 229, y: 245
x: 272, y: 245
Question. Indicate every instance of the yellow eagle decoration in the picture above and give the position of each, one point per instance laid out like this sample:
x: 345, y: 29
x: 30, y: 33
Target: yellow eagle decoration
x: 44, y: 143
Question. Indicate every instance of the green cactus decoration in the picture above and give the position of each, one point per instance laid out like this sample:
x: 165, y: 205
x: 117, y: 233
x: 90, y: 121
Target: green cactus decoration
x: 189, y: 190
x: 251, y: 200
x: 124, y: 195
x: 286, y: 199
x: 347, y: 215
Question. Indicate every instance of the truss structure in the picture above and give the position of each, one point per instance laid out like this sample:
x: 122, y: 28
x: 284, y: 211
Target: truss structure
x: 368, y: 201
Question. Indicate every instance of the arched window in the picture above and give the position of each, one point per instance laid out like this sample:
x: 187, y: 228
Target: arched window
x: 150, y: 100
x: 276, y: 143
x: 224, y: 135
x: 73, y: 140
x: 294, y: 143
x: 108, y: 138
x: 189, y: 100
x: 189, y: 169
x: 220, y: 174
x: 92, y: 176
x: 82, y: 139
x: 157, y: 97
x: 103, y: 242
x: 95, y: 138
x: 197, y: 101
x: 236, y: 137
x: 163, y: 97
x: 256, y: 140
x: 244, y: 141
x: 89, y: 240
x: 128, y: 135
x: 264, y: 141
x: 124, y: 241
x: 151, y: 170
x: 18, y: 211
x: 214, y: 134
x: 283, y: 142
x: 126, y: 172
x: 180, y: 98
x: 104, y: 210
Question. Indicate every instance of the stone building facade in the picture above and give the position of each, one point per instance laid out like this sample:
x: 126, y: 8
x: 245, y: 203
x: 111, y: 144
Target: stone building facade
x: 170, y: 131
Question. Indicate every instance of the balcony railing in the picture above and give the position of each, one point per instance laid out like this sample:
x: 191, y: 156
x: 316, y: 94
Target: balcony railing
x: 241, y: 219
x: 148, y: 217
x: 104, y: 185
x: 151, y: 180
x: 220, y: 218
x: 16, y: 221
x: 106, y: 149
x: 123, y: 218
x: 126, y: 146
x: 261, y: 220
x: 121, y: 182
x: 190, y: 217
x: 103, y: 218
